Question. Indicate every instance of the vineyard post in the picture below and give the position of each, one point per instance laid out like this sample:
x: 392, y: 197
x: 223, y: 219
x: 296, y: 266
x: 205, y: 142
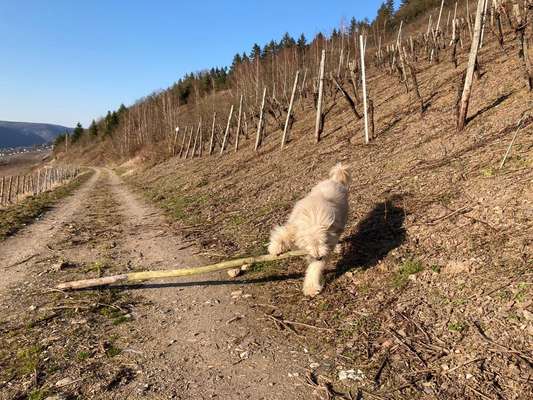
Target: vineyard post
x: 2, y: 190
x: 318, y: 123
x: 174, y: 143
x: 239, y: 118
x: 260, y: 124
x: 196, y: 137
x: 226, y: 133
x: 189, y: 143
x: 363, y: 79
x: 288, y: 120
x: 10, y: 186
x: 483, y: 23
x: 183, y: 141
x: 212, y: 141
x: 465, y: 98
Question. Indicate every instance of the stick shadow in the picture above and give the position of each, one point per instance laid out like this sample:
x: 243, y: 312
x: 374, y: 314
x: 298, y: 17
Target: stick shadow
x: 381, y: 231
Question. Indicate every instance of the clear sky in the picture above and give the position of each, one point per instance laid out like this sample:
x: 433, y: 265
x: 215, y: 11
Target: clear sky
x: 63, y: 61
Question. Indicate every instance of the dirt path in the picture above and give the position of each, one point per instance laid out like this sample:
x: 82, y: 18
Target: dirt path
x: 32, y: 242
x: 192, y: 339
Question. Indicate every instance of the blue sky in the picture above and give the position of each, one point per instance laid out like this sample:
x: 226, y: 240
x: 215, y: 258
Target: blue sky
x: 67, y: 61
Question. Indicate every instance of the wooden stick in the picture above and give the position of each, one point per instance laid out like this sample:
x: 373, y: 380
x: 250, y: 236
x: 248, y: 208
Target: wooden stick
x: 288, y: 120
x: 153, y: 275
x: 512, y: 142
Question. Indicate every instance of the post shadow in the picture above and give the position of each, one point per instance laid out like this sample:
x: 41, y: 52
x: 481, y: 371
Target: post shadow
x: 381, y: 231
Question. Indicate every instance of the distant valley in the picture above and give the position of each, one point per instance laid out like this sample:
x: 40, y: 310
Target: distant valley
x: 17, y: 134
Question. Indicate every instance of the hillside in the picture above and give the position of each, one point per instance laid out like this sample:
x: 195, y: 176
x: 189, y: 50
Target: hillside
x: 430, y: 295
x: 17, y: 134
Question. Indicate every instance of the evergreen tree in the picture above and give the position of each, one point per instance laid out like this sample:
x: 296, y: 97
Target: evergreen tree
x: 77, y: 132
x: 256, y: 52
x: 287, y: 41
x: 302, y: 42
x: 93, y: 128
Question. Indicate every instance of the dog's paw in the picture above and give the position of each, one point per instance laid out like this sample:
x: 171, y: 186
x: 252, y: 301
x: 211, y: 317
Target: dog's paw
x: 311, y: 289
x: 275, y: 249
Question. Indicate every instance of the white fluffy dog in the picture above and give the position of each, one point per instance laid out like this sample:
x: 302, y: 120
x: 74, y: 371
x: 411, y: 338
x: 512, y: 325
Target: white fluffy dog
x: 315, y: 225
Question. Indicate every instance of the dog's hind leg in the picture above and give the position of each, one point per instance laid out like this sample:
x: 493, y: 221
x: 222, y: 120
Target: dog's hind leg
x: 281, y: 239
x: 313, y: 282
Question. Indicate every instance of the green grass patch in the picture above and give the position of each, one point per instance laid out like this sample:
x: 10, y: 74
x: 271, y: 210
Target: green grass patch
x: 16, y: 216
x: 408, y: 268
x: 456, y: 326
x: 83, y: 355
x: 27, y: 360
x: 37, y: 394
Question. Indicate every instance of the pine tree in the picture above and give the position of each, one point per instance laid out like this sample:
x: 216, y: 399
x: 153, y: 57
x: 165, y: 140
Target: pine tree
x: 77, y: 132
x: 93, y: 128
x: 302, y: 42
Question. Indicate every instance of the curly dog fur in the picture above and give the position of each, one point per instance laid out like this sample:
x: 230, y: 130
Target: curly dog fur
x: 315, y: 225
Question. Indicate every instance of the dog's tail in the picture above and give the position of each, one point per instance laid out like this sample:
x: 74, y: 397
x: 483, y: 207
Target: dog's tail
x: 340, y: 174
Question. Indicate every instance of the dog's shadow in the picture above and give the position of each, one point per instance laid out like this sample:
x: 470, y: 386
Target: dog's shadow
x: 381, y: 231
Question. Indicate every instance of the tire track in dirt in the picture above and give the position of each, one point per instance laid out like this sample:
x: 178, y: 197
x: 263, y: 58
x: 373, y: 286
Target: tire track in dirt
x: 32, y: 241
x: 195, y: 329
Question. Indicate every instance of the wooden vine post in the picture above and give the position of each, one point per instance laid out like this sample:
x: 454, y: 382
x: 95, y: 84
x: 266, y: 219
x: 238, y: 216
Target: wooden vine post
x: 363, y: 79
x: 182, y: 148
x: 318, y: 123
x: 289, y: 112
x: 2, y: 191
x: 520, y: 28
x: 260, y: 124
x: 189, y: 144
x: 212, y: 140
x: 239, y: 118
x: 227, y: 130
x: 472, y: 60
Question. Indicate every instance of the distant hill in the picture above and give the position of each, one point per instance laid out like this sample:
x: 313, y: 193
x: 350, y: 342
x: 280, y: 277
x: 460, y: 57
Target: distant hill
x: 15, y: 134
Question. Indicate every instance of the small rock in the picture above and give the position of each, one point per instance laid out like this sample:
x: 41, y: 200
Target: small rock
x: 245, y: 267
x: 244, y: 355
x: 528, y: 315
x: 235, y: 294
x: 32, y: 307
x: 63, y: 382
x: 351, y: 374
x: 469, y: 376
x: 314, y: 365
x: 233, y: 273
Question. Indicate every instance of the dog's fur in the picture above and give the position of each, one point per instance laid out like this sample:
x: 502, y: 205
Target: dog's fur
x: 315, y: 225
